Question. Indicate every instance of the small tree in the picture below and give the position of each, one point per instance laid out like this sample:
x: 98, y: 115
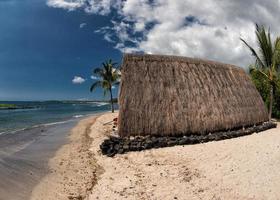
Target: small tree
x: 267, y: 60
x: 109, y: 75
x: 263, y: 87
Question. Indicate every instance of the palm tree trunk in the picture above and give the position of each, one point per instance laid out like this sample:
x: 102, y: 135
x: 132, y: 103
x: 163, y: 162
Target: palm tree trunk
x: 270, y: 102
x: 112, y: 103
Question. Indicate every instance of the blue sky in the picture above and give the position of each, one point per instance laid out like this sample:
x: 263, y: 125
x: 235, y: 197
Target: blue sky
x: 43, y: 48
x: 45, y: 44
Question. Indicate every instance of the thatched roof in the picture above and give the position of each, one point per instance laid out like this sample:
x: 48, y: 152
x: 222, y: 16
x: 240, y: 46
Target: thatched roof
x: 170, y: 95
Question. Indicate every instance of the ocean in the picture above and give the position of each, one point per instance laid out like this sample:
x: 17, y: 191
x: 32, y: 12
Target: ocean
x: 46, y: 113
x: 29, y: 137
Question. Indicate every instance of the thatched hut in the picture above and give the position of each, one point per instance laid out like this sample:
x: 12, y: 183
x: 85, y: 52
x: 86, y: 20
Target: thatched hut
x: 170, y: 95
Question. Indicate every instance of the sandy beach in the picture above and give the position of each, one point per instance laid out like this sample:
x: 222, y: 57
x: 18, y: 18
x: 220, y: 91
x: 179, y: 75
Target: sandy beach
x: 139, y: 100
x: 241, y: 168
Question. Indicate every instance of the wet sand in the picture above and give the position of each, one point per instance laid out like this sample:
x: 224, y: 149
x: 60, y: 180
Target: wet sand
x: 73, y: 169
x: 24, y: 158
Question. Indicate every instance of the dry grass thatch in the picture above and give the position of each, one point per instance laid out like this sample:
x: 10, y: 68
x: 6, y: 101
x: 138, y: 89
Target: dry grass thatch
x: 170, y: 95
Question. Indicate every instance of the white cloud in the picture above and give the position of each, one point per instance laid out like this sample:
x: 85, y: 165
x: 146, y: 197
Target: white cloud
x: 66, y: 4
x: 82, y: 25
x: 108, y: 37
x: 78, y: 80
x: 139, y: 26
x: 101, y: 7
x: 94, y: 77
x: 211, y: 29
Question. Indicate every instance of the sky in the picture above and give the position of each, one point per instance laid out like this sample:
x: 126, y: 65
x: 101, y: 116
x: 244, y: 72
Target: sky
x: 49, y: 48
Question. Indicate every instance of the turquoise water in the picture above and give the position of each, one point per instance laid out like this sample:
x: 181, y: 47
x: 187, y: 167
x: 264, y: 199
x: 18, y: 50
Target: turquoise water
x: 45, y: 113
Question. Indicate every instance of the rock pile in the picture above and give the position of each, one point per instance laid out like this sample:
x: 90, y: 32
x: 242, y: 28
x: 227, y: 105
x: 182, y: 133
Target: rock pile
x: 117, y: 145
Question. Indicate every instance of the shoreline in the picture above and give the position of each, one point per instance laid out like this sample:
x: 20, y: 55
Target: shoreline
x: 25, y: 155
x: 24, y: 158
x: 73, y: 169
x: 44, y: 125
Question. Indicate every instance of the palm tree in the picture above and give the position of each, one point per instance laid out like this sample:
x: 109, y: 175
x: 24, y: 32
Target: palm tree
x: 267, y: 60
x: 109, y: 75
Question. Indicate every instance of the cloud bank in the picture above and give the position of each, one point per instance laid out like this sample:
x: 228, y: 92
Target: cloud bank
x: 211, y: 29
x: 78, y: 80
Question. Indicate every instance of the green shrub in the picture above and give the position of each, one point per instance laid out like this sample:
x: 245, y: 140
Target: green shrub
x: 7, y: 106
x: 263, y: 87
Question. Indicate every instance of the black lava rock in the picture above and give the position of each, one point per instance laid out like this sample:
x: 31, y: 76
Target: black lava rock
x: 117, y: 145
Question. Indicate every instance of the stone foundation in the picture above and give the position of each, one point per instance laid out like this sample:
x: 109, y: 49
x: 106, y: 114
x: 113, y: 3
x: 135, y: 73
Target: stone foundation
x: 117, y: 145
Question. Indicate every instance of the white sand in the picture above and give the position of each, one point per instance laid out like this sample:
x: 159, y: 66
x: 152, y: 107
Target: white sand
x: 241, y: 168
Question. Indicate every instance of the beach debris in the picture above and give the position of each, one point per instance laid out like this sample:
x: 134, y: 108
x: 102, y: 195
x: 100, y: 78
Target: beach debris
x: 115, y: 120
x: 107, y: 123
x: 78, y: 197
x: 118, y: 145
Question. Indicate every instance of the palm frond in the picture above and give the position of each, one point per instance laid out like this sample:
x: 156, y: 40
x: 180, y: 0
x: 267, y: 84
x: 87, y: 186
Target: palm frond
x: 109, y: 75
x: 105, y: 84
x: 276, y: 54
x: 265, y: 45
x: 95, y: 85
x: 99, y: 72
x: 116, y: 75
x: 105, y: 92
x: 260, y: 72
x: 254, y: 53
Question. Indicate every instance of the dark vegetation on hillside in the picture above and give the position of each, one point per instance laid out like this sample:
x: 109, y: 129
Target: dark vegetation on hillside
x: 13, y: 107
